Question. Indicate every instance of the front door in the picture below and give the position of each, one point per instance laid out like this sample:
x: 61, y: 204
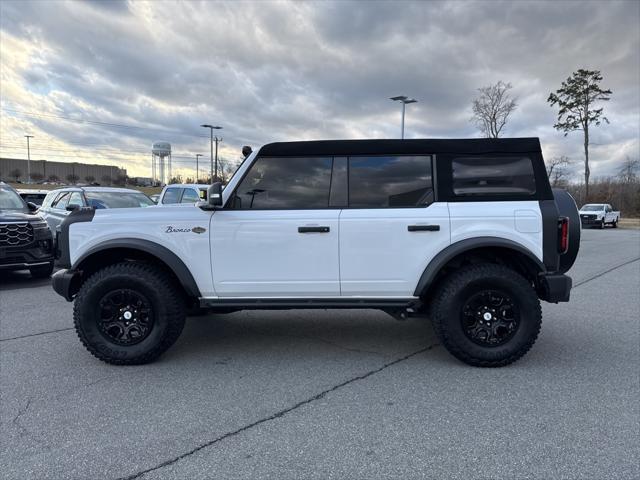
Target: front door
x: 276, y: 235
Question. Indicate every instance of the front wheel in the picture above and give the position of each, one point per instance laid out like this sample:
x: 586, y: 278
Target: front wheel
x: 602, y: 224
x: 615, y: 224
x: 129, y: 313
x: 486, y: 315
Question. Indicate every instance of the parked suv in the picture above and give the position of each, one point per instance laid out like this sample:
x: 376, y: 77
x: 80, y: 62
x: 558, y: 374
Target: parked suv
x: 25, y: 239
x: 59, y: 203
x: 467, y: 231
x: 183, y: 194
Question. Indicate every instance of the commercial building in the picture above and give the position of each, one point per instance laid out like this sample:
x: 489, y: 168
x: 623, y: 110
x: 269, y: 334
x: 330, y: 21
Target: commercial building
x: 12, y: 169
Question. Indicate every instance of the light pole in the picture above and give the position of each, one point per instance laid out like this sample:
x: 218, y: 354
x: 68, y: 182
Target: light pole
x: 198, y: 155
x: 28, y: 158
x: 404, y: 100
x: 212, y: 128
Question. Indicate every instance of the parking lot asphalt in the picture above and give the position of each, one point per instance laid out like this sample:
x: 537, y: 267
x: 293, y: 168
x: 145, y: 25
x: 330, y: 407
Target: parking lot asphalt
x: 330, y: 394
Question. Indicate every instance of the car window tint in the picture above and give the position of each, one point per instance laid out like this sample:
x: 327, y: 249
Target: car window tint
x: 172, y: 195
x: 100, y: 200
x: 75, y: 200
x: 390, y: 181
x: 285, y: 183
x: 49, y: 199
x: 493, y: 175
x: 190, y: 196
x: 60, y: 203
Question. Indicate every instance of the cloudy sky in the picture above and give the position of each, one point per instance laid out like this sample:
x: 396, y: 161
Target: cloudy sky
x: 271, y: 71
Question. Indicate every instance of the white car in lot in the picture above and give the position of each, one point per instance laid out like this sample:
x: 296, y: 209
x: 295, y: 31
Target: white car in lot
x: 468, y: 231
x: 183, y: 194
x: 599, y: 215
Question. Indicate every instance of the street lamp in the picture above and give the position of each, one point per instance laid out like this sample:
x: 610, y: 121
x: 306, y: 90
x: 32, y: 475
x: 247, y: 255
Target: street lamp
x: 198, y: 155
x: 211, y: 128
x: 28, y: 158
x: 404, y: 100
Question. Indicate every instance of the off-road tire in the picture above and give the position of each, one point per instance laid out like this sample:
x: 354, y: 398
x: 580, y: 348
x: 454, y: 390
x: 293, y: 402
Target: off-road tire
x: 42, y: 271
x: 446, y: 311
x: 157, y: 286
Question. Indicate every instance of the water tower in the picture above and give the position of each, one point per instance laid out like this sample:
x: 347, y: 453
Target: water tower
x: 161, y: 163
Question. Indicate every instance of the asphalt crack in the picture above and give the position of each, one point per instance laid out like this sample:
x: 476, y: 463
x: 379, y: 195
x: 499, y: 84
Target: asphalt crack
x: 280, y: 413
x: 36, y: 334
x: 16, y: 420
x: 604, y: 272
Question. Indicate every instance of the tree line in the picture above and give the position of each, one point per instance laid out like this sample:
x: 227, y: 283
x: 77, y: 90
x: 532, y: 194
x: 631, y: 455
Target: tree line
x: 579, y: 102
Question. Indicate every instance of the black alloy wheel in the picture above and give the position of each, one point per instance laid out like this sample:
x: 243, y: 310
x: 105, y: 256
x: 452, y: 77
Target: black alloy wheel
x: 490, y: 318
x: 126, y: 316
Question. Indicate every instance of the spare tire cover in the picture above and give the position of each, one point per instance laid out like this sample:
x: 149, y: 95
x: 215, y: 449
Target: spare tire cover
x: 567, y: 208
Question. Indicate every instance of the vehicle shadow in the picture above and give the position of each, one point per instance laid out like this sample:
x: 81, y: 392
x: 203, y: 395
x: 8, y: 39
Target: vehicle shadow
x: 11, y: 280
x: 305, y: 332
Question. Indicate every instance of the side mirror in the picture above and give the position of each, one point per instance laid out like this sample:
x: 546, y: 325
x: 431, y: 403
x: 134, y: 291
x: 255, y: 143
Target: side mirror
x: 71, y: 208
x: 214, y: 197
x: 32, y: 206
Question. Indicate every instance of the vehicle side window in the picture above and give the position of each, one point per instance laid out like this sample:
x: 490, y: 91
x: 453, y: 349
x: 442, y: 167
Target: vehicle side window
x: 493, y: 176
x: 75, y: 200
x: 60, y: 203
x: 285, y: 183
x: 390, y: 181
x: 190, y: 196
x: 172, y: 195
x: 46, y: 203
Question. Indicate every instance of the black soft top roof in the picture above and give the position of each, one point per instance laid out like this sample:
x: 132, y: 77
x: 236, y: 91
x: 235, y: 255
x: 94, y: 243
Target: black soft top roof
x: 406, y: 147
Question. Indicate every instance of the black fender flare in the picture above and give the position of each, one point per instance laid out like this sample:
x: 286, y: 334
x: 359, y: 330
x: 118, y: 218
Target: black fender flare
x: 455, y: 249
x: 170, y: 259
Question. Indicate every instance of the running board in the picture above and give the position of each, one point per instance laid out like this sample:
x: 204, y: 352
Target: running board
x: 290, y: 303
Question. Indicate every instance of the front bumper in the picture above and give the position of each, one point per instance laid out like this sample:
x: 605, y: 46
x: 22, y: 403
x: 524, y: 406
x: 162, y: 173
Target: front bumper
x: 39, y: 252
x: 66, y: 283
x: 590, y: 220
x: 555, y: 287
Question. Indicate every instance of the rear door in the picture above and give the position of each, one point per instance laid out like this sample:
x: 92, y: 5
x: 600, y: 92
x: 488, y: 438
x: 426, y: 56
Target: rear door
x: 392, y: 227
x: 277, y: 235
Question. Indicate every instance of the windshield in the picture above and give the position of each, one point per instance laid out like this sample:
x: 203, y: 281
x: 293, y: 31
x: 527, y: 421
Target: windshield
x: 36, y: 198
x: 10, y: 200
x: 117, y: 200
x: 592, y: 208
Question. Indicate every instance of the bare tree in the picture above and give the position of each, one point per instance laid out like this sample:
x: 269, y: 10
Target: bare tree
x: 557, y: 170
x: 575, y: 99
x: 72, y: 178
x: 54, y: 178
x: 628, y: 173
x: 37, y: 177
x: 15, y: 174
x: 492, y: 108
x: 90, y: 179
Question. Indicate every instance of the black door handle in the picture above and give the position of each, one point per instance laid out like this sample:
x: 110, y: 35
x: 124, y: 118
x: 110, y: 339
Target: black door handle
x: 313, y: 229
x: 423, y: 228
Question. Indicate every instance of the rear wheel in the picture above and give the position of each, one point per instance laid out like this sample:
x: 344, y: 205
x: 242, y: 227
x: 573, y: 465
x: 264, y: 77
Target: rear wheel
x: 486, y: 315
x: 129, y: 313
x: 42, y: 271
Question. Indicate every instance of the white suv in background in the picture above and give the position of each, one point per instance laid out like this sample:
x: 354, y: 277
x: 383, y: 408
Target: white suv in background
x: 183, y: 194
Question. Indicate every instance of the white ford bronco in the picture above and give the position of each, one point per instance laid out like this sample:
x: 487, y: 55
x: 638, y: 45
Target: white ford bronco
x: 466, y: 232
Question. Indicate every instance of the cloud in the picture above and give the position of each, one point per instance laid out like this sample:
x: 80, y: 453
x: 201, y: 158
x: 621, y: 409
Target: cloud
x: 271, y: 71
